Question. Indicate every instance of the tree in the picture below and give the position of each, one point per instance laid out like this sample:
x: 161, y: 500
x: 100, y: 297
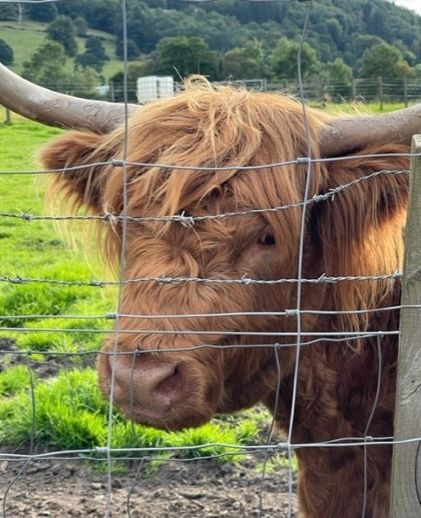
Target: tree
x: 338, y: 71
x: 42, y: 12
x: 104, y: 15
x: 284, y: 59
x: 63, y: 30
x: 132, y: 49
x: 94, y: 56
x: 336, y: 32
x: 6, y: 53
x: 81, y: 26
x: 380, y: 60
x: 185, y: 55
x: 362, y: 42
x: 403, y: 70
x: 8, y: 12
x: 46, y: 66
x: 245, y: 63
x: 417, y: 70
x: 339, y: 76
x: 84, y: 83
x: 377, y: 23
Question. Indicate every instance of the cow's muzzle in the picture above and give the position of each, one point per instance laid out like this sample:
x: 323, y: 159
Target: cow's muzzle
x: 143, y: 385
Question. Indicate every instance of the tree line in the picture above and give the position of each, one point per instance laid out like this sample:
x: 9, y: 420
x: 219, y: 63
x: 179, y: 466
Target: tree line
x: 226, y: 39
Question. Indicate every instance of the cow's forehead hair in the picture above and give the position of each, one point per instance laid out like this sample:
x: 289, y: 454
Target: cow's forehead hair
x: 213, y: 126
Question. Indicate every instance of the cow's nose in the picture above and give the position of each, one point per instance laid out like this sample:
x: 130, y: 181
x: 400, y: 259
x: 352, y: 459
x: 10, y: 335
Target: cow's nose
x: 153, y: 385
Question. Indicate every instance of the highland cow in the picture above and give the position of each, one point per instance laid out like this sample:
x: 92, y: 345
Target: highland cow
x: 358, y: 232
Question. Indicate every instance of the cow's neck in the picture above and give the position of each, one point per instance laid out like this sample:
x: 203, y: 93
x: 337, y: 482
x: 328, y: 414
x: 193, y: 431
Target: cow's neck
x: 336, y: 391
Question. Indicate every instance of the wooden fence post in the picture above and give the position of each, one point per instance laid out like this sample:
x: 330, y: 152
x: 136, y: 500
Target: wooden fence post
x: 112, y: 94
x: 380, y: 92
x: 406, y: 471
x: 8, y: 119
x: 405, y: 92
x: 353, y: 90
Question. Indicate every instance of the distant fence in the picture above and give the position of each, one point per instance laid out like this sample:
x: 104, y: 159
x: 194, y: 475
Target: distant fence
x: 377, y: 89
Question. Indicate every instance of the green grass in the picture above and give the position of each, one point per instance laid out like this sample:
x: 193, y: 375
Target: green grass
x: 13, y: 380
x: 27, y: 37
x: 356, y: 108
x: 36, y: 249
x: 69, y: 413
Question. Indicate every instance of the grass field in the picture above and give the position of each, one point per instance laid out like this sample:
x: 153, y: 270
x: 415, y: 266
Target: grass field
x: 69, y: 411
x: 27, y: 37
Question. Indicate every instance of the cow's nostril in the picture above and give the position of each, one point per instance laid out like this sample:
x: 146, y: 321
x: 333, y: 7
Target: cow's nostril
x: 171, y: 385
x: 145, y: 383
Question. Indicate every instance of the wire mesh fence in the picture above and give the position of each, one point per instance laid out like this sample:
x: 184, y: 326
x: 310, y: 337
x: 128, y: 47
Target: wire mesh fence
x: 294, y: 303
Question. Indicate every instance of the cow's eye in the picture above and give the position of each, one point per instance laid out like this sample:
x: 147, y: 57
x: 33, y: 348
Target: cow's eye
x: 268, y: 239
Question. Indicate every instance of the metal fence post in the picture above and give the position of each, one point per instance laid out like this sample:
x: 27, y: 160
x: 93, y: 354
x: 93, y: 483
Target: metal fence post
x: 406, y: 471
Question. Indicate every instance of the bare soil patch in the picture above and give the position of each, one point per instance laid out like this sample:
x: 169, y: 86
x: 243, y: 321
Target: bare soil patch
x: 203, y: 488
x: 196, y: 488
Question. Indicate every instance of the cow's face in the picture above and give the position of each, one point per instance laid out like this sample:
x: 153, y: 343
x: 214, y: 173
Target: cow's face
x: 197, y: 374
x: 175, y: 371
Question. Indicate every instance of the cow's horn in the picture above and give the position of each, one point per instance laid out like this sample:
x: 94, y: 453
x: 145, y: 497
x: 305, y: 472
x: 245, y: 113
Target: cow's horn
x: 341, y: 136
x: 346, y: 135
x: 55, y: 109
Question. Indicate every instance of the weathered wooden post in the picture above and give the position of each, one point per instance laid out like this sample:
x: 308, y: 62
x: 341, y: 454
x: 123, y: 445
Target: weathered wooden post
x: 112, y: 94
x: 8, y: 119
x: 406, y: 472
x: 405, y: 92
x: 380, y: 92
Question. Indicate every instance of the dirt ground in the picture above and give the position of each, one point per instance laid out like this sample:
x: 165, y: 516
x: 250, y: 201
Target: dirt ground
x: 197, y: 488
x: 202, y: 488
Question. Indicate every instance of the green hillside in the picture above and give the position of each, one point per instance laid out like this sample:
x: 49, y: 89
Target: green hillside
x: 226, y: 39
x: 24, y: 38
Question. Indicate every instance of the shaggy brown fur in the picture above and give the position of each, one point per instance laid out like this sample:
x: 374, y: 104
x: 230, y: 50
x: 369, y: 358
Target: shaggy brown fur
x: 359, y: 232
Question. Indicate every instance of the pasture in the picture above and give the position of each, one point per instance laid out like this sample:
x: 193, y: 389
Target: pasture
x: 29, y: 35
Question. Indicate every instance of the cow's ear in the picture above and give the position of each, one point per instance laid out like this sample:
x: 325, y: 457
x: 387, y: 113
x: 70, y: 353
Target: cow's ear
x: 358, y: 227
x: 78, y: 181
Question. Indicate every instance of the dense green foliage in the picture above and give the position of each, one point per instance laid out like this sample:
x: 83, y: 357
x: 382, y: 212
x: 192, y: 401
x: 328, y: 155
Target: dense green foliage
x: 184, y: 56
x: 63, y: 30
x: 94, y: 56
x: 243, y: 39
x: 6, y: 53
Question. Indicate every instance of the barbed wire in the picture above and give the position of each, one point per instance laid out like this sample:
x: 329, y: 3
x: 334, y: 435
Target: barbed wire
x: 188, y: 332
x: 28, y: 1
x: 244, y: 280
x: 189, y: 220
